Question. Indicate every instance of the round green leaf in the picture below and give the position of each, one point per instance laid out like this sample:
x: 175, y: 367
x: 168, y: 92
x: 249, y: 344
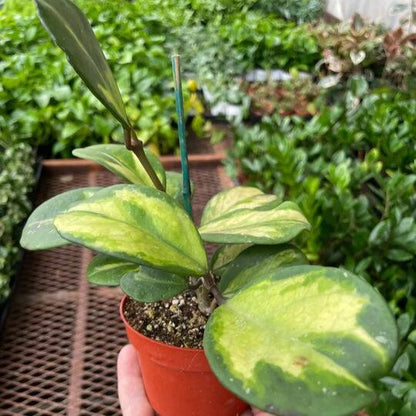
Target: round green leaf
x: 138, y: 224
x: 39, y: 232
x: 151, y: 285
x: 306, y: 340
x: 258, y: 261
x: 224, y: 255
x: 122, y: 162
x: 107, y: 271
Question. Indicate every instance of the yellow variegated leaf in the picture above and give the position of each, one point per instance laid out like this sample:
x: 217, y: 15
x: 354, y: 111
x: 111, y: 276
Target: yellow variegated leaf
x: 122, y: 162
x: 258, y: 261
x: 138, y: 224
x: 305, y: 340
x: 225, y: 255
x: 259, y: 219
x: 227, y: 201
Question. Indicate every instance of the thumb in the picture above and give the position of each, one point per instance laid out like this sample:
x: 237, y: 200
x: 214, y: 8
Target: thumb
x: 131, y: 393
x: 255, y: 412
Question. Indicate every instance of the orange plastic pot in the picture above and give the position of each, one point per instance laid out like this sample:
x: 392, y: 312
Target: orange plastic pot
x: 179, y: 381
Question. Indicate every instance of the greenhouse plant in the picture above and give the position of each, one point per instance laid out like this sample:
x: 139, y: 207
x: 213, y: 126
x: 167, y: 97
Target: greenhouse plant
x: 284, y: 336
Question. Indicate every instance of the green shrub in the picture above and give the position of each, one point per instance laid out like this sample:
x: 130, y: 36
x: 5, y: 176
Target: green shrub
x: 353, y: 172
x: 44, y: 103
x: 16, y: 181
x: 298, y: 11
x: 232, y: 45
x: 352, y: 169
x: 51, y: 105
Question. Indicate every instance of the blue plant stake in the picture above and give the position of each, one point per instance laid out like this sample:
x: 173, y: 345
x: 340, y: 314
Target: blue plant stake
x: 186, y: 185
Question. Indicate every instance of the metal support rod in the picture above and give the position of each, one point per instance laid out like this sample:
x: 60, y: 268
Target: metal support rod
x: 186, y: 185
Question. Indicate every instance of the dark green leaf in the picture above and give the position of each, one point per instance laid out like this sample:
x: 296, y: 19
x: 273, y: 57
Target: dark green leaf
x: 107, y: 271
x: 151, y: 285
x: 397, y: 254
x: 72, y: 32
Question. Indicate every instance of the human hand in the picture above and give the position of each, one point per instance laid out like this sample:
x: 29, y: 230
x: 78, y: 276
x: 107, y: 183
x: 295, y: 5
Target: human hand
x: 133, y: 400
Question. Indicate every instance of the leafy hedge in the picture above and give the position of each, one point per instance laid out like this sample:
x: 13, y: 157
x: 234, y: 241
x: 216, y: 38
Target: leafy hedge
x: 43, y: 102
x: 352, y: 169
x: 16, y: 182
x: 294, y: 10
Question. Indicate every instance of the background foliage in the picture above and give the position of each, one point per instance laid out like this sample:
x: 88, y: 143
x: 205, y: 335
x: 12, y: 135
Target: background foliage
x: 298, y: 11
x: 16, y: 181
x: 44, y: 103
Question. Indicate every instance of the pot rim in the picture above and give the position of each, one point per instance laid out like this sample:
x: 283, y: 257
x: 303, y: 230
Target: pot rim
x: 150, y: 340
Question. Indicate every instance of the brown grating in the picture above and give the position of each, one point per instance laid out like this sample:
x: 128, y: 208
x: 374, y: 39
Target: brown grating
x: 59, y: 348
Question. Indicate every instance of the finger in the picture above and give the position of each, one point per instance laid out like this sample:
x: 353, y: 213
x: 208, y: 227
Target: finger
x: 133, y: 400
x: 257, y: 412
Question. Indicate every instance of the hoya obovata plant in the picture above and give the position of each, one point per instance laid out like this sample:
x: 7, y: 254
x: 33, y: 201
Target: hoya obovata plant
x: 285, y: 336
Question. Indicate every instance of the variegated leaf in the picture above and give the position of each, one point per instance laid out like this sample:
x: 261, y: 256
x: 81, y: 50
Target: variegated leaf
x: 72, y: 32
x: 306, y: 341
x: 174, y: 186
x: 39, y: 232
x: 258, y: 261
x: 151, y: 285
x: 225, y: 255
x: 227, y: 201
x: 138, y: 224
x: 256, y: 219
x: 122, y: 162
x: 107, y: 270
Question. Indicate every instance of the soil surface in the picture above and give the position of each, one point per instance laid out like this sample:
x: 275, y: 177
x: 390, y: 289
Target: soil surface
x: 176, y: 321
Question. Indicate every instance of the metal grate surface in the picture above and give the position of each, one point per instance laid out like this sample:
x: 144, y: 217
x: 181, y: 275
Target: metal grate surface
x: 59, y: 347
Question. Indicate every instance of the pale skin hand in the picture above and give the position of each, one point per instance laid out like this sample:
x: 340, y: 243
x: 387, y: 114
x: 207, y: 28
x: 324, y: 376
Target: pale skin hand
x: 133, y: 400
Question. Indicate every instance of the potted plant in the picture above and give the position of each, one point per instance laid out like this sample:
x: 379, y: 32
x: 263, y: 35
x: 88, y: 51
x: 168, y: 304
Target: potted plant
x: 282, y: 335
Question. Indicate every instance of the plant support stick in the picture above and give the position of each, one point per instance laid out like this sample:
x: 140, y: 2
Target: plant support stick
x: 186, y: 186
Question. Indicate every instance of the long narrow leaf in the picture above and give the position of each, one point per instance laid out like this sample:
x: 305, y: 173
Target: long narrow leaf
x: 72, y: 32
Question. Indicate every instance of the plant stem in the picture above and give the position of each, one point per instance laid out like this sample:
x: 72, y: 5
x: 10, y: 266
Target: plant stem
x: 217, y: 295
x: 211, y: 286
x: 202, y: 295
x: 186, y: 186
x: 136, y: 146
x: 203, y: 287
